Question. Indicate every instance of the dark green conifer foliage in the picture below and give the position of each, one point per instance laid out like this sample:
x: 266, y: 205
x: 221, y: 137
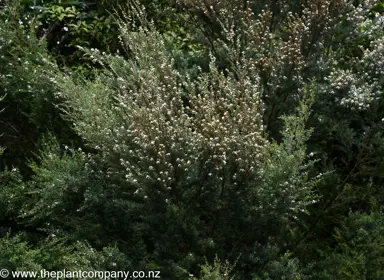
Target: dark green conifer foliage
x: 232, y: 140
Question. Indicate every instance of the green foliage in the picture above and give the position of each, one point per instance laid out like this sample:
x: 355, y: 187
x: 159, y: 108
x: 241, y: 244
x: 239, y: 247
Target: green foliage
x: 187, y: 169
x: 225, y: 140
x: 286, y: 186
x: 54, y: 254
x: 285, y: 268
x: 54, y: 187
x: 12, y: 193
x: 66, y: 24
x: 358, y: 253
x: 16, y: 254
x: 27, y: 79
x: 219, y: 270
x: 79, y: 25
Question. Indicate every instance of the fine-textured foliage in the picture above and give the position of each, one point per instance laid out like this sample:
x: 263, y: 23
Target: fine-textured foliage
x: 232, y: 140
x: 27, y: 79
x: 191, y: 151
x: 359, y: 250
x: 53, y: 255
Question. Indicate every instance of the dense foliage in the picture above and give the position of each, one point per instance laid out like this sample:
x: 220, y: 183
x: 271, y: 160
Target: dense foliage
x: 207, y: 140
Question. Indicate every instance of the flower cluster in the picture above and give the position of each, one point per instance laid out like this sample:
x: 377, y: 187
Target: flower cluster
x: 361, y: 84
x: 166, y: 130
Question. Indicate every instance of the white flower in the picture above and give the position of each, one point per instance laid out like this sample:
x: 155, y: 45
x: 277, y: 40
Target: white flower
x: 65, y: 29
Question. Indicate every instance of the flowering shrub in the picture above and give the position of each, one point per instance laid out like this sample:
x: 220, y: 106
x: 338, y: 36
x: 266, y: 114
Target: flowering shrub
x: 253, y: 165
x: 190, y: 150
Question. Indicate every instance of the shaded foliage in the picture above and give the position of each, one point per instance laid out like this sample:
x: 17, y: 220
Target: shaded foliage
x: 215, y: 140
